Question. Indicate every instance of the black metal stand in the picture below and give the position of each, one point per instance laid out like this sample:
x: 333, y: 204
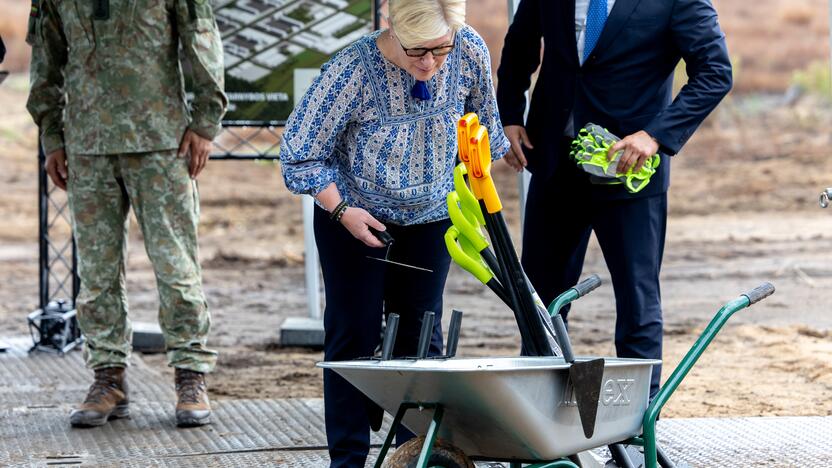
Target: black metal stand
x: 53, y: 326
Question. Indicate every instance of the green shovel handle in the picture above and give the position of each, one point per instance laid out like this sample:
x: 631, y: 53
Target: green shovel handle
x: 466, y: 260
x: 465, y: 222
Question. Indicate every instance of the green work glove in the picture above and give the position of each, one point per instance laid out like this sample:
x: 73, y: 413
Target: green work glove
x: 590, y: 150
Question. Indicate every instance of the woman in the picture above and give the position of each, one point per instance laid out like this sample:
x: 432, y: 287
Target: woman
x: 374, y: 140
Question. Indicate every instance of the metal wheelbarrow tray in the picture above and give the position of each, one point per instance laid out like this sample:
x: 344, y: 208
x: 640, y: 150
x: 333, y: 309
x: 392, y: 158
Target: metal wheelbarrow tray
x: 519, y: 408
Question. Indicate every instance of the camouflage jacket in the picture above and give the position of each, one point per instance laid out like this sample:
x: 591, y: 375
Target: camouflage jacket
x: 106, y: 75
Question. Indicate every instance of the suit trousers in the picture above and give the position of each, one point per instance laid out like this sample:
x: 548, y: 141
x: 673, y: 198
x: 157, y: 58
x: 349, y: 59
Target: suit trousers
x: 560, y: 216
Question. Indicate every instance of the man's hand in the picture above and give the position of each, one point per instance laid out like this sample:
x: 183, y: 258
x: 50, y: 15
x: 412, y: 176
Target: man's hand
x: 637, y: 148
x: 516, y: 135
x: 356, y: 221
x: 55, y: 166
x: 198, y: 148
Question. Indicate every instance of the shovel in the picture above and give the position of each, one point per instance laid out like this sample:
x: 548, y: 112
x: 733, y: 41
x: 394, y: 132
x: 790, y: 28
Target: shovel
x: 586, y: 376
x: 469, y: 248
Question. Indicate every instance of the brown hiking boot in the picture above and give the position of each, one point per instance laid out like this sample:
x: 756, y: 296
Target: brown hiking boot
x: 192, y: 407
x: 107, y: 399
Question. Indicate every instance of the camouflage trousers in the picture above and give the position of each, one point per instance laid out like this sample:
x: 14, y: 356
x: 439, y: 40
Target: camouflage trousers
x: 101, y: 190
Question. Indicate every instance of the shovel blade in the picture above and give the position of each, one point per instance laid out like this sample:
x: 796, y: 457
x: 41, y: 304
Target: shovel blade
x: 586, y: 379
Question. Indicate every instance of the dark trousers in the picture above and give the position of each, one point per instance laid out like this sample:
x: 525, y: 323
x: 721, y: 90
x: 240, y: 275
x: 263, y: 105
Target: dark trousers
x: 358, y: 292
x: 560, y: 216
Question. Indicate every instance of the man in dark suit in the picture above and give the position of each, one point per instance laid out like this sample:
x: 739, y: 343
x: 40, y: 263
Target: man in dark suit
x: 608, y: 62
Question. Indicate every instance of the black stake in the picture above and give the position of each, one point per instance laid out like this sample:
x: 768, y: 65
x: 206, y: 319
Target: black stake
x: 389, y: 337
x: 425, y: 335
x: 453, y: 333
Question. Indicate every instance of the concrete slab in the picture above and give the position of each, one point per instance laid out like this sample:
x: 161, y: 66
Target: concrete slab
x: 148, y: 338
x: 302, y: 331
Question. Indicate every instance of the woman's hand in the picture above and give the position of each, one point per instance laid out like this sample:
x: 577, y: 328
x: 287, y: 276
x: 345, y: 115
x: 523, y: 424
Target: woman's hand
x: 356, y: 221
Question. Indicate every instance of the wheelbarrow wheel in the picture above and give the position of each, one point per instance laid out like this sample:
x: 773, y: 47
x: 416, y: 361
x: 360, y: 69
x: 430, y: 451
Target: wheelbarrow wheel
x: 444, y: 455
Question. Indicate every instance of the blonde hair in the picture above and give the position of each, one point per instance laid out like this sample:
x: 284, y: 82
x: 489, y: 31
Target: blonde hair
x: 416, y: 22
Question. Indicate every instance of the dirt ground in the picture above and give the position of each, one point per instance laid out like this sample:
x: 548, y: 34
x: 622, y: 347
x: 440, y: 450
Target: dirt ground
x: 743, y: 210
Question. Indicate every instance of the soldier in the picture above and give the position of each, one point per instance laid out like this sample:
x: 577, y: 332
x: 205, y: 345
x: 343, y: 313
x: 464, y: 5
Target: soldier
x: 107, y: 94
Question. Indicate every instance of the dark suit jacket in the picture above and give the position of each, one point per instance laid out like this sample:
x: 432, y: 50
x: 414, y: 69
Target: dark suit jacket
x: 625, y: 85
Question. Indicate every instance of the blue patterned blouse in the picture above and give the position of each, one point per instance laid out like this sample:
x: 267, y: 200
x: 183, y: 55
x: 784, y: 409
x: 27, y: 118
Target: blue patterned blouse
x: 388, y: 152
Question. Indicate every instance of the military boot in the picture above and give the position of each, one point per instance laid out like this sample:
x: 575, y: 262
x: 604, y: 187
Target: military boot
x: 106, y: 399
x: 192, y: 407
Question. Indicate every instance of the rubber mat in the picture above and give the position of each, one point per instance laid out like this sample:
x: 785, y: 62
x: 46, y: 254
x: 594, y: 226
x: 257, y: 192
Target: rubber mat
x: 37, y: 392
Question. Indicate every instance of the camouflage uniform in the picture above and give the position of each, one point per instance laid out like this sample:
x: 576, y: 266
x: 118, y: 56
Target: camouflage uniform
x: 107, y: 85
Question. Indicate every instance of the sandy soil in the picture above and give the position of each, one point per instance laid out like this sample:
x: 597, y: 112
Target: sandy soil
x: 743, y: 210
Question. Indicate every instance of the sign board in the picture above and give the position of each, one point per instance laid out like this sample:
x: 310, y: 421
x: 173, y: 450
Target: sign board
x: 266, y: 40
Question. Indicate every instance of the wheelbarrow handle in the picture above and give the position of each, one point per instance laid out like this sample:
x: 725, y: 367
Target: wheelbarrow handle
x: 579, y: 290
x: 759, y: 293
x: 686, y: 364
x: 588, y: 285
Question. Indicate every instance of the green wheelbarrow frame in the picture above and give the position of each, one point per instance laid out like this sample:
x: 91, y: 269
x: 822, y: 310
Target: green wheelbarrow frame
x: 648, y: 437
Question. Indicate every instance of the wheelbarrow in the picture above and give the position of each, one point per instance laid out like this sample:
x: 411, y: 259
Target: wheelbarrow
x: 520, y: 409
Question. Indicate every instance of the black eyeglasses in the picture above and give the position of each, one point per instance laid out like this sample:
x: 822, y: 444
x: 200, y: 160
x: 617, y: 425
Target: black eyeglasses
x: 421, y: 51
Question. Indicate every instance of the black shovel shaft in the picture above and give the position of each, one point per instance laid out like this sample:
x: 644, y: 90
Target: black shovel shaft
x: 498, y: 289
x: 493, y: 264
x: 515, y: 276
x: 528, y: 347
x: 496, y: 283
x: 515, y: 281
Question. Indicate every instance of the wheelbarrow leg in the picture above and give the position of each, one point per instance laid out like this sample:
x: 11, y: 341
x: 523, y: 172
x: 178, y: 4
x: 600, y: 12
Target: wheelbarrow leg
x: 664, y: 460
x: 388, y: 441
x: 619, y: 454
x: 430, y: 437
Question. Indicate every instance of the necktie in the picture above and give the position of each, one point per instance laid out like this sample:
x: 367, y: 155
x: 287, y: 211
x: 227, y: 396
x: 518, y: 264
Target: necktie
x: 420, y: 91
x: 596, y: 17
